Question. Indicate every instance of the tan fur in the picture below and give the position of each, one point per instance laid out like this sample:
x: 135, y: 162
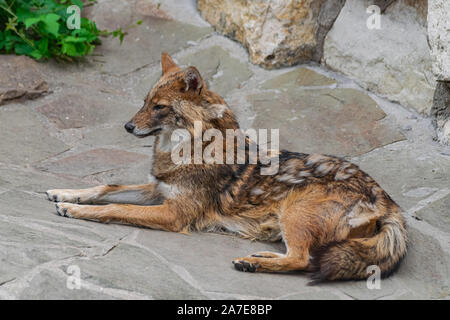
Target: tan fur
x: 320, y: 206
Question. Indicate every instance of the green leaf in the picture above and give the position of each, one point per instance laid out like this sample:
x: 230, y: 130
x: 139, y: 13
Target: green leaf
x: 36, y: 54
x: 31, y: 21
x: 69, y: 49
x: 24, y: 13
x: 43, y: 46
x: 74, y: 39
x: 78, y: 3
x: 51, y: 23
x: 37, y: 28
x: 23, y: 49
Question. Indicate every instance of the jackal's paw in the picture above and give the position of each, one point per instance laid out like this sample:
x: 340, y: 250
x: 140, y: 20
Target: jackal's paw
x: 65, y: 209
x: 63, y: 195
x: 245, y: 266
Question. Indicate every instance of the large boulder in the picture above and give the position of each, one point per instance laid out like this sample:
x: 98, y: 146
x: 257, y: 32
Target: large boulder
x: 393, y: 61
x: 276, y: 33
x: 441, y: 112
x: 439, y: 37
x: 439, y: 40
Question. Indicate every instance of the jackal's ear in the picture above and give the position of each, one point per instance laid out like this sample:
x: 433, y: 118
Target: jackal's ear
x: 193, y: 79
x: 168, y: 64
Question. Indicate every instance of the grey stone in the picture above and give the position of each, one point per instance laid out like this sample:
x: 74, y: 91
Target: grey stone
x: 24, y: 248
x: 383, y: 4
x: 439, y: 38
x: 437, y: 214
x: 146, y: 83
x: 440, y: 112
x: 276, y: 34
x: 134, y: 269
x: 137, y: 174
x: 300, y: 77
x: 328, y: 13
x: 24, y: 125
x: 425, y: 269
x: 305, y: 117
x: 144, y: 43
x: 389, y: 61
x: 28, y: 179
x: 77, y: 110
x: 112, y: 135
x: 399, y: 169
x: 318, y: 295
x: 51, y: 285
x: 21, y: 79
x: 222, y: 72
x: 359, y: 289
x: 185, y: 11
x: 207, y: 259
x: 35, y: 212
x: 92, y: 162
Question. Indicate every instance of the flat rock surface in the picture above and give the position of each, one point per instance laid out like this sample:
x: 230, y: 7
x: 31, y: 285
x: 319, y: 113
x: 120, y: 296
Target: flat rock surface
x: 392, y: 60
x: 24, y: 129
x: 21, y: 79
x: 154, y: 32
x: 74, y: 138
x: 92, y: 161
x: 305, y: 117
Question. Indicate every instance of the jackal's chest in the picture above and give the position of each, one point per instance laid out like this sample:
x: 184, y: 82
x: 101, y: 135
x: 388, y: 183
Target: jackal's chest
x: 168, y: 191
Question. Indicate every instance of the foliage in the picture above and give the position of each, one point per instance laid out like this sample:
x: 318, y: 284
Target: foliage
x: 38, y: 28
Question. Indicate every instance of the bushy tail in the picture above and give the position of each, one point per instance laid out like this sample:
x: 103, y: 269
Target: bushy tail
x: 350, y: 258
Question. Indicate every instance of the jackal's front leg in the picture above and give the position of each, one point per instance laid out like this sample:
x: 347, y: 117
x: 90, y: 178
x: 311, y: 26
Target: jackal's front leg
x: 133, y: 194
x: 160, y: 217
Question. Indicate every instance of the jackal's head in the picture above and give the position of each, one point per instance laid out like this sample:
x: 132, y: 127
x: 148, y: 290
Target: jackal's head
x: 179, y: 98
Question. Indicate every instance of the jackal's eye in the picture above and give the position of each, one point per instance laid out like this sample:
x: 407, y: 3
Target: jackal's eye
x: 159, y: 107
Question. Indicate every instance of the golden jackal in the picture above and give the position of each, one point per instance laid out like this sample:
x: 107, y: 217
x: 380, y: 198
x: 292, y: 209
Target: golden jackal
x: 334, y: 219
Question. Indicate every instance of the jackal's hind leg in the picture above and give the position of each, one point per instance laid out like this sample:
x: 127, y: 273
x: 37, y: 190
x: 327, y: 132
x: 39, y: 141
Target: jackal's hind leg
x: 267, y: 254
x: 297, y: 237
x: 256, y: 264
x: 132, y: 194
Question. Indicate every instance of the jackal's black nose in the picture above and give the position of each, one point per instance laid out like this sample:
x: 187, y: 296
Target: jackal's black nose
x: 129, y: 127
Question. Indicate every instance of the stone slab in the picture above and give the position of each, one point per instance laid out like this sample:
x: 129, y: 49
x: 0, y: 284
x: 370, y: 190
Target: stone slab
x: 300, y: 77
x: 437, y: 214
x: 28, y: 179
x: 342, y: 122
x: 207, y: 258
x: 24, y: 138
x: 439, y: 38
x: 144, y: 43
x: 23, y: 248
x: 389, y: 61
x: 145, y: 274
x: 34, y: 211
x: 92, y: 162
x: 111, y: 135
x: 51, y: 285
x: 407, y: 175
x: 83, y: 109
x: 21, y: 79
x: 222, y: 72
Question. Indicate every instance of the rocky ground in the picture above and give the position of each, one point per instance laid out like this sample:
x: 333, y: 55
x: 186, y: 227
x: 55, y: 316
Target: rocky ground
x: 73, y: 137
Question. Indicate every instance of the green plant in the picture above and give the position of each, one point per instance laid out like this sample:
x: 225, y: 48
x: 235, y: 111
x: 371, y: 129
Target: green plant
x: 38, y: 28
